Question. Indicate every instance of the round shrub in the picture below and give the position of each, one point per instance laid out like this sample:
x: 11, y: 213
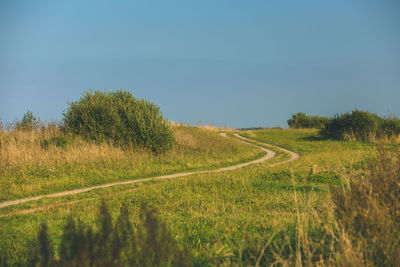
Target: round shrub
x: 120, y: 118
x: 360, y: 125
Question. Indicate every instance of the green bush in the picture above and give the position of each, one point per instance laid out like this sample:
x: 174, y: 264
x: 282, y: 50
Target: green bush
x: 301, y: 120
x: 119, y: 118
x: 390, y: 127
x: 360, y: 125
x: 121, y: 243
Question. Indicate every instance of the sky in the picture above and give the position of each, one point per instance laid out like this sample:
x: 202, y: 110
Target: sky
x: 233, y: 63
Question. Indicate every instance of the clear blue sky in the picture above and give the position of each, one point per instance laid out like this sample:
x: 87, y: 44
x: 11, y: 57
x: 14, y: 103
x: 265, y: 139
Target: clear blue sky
x: 227, y: 62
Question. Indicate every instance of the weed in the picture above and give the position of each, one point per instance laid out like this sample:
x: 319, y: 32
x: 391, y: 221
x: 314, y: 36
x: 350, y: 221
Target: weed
x: 369, y: 213
x: 121, y: 243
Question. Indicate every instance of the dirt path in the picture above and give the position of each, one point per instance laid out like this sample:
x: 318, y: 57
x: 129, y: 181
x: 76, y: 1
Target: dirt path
x: 270, y: 154
x: 293, y: 155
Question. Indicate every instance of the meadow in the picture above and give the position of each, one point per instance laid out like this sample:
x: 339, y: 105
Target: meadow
x: 30, y: 168
x: 253, y: 216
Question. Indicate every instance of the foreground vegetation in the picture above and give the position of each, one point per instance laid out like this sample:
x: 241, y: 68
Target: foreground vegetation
x: 118, y: 243
x: 369, y: 215
x: 252, y: 216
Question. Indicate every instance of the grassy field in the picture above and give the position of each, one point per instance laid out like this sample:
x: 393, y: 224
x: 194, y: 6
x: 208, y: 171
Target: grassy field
x: 29, y: 169
x: 255, y: 215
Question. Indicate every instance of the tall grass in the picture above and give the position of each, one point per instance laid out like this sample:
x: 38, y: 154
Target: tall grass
x: 108, y: 243
x: 47, y: 159
x: 369, y: 214
x: 22, y: 149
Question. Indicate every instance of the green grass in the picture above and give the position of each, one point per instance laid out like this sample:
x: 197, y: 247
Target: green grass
x: 197, y: 149
x: 317, y: 153
x: 224, y: 218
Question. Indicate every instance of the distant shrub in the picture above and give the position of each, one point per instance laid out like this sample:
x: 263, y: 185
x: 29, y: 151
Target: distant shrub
x: 121, y: 243
x: 360, y: 125
x: 29, y: 122
x: 301, y: 120
x: 369, y: 213
x: 390, y: 127
x: 120, y: 118
x: 58, y: 141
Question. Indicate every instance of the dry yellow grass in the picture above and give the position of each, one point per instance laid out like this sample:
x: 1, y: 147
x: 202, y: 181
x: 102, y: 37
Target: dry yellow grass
x: 19, y: 149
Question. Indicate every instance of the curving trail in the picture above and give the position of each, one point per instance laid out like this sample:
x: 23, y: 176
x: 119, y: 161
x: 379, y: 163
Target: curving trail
x: 293, y: 155
x: 270, y: 154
